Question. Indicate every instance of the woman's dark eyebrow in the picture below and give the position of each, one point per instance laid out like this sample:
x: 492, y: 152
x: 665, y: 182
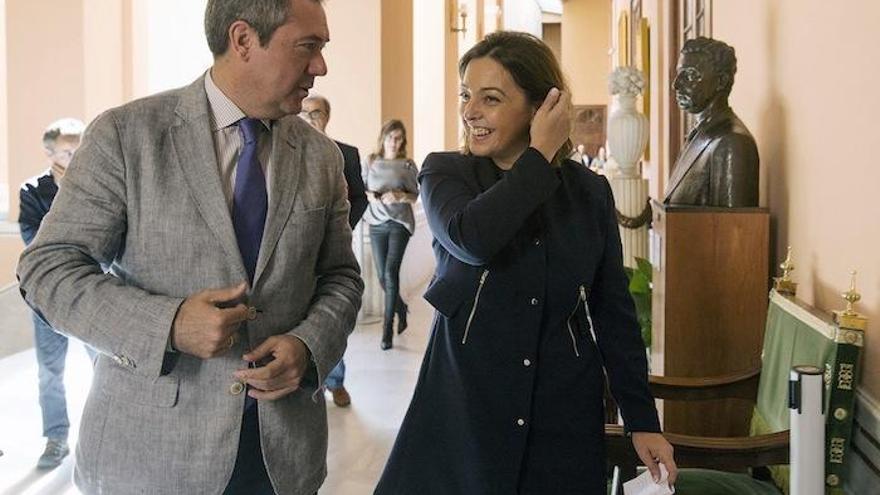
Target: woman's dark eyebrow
x: 493, y: 88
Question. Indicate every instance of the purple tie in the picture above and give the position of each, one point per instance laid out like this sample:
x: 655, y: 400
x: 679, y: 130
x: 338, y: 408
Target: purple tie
x: 249, y: 198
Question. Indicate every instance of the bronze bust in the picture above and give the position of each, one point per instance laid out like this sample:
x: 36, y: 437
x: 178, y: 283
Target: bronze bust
x: 718, y: 164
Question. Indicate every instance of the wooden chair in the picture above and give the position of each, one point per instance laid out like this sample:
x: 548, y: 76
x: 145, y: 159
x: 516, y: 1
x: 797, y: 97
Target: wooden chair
x: 795, y: 334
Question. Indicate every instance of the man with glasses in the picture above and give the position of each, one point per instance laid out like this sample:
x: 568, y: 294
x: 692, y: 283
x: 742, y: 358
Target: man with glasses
x: 316, y: 111
x: 60, y: 141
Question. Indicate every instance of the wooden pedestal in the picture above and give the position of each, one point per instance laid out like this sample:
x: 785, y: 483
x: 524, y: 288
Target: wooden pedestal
x: 709, y: 306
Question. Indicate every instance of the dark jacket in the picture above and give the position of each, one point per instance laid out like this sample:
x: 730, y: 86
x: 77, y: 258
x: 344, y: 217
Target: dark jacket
x: 35, y: 199
x: 357, y: 194
x: 510, y: 393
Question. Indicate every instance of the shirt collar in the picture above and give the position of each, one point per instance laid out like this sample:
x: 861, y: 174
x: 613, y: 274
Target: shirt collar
x: 224, y: 112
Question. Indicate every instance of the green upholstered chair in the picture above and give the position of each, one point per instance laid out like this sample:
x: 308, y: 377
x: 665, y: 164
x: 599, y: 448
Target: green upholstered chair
x: 795, y: 334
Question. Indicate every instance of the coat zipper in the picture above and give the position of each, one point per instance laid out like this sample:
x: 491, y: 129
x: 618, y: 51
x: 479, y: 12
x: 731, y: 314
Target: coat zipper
x: 470, y: 319
x: 574, y: 344
x: 589, y: 316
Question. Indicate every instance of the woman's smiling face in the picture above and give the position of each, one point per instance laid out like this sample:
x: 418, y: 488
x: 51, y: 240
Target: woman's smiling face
x: 495, y: 111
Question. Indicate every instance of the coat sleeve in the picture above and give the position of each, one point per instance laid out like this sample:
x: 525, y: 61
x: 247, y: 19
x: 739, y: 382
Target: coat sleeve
x: 357, y: 195
x: 61, y: 275
x: 617, y: 332
x: 337, y: 294
x: 473, y: 226
x: 30, y: 213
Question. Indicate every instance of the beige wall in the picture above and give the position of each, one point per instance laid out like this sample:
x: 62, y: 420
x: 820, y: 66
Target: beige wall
x: 806, y: 87
x: 586, y: 38
x: 102, y: 55
x: 44, y: 78
x: 552, y: 35
x: 4, y: 155
x: 435, y: 79
x: 397, y: 62
x: 354, y: 79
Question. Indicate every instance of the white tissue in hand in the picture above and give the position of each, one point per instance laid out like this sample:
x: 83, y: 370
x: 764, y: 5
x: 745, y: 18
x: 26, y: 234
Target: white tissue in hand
x: 644, y: 484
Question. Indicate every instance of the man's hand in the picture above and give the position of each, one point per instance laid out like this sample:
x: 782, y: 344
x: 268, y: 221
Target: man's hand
x: 205, y: 326
x: 392, y: 197
x: 653, y: 448
x: 290, y: 359
x: 551, y: 125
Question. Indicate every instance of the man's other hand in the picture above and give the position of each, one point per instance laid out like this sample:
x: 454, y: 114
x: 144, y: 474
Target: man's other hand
x: 206, y: 325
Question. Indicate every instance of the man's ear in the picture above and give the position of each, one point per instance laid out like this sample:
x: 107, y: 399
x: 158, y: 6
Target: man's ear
x: 242, y: 39
x: 723, y: 82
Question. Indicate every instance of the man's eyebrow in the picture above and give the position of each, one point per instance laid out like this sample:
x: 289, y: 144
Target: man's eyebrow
x: 313, y: 37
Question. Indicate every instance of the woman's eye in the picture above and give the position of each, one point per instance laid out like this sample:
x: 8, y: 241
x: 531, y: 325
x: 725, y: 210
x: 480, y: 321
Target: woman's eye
x: 492, y: 99
x: 464, y: 96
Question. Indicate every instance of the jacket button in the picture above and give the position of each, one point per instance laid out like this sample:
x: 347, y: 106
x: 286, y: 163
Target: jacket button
x: 534, y: 301
x: 252, y: 313
x: 236, y: 388
x: 520, y: 422
x: 537, y: 242
x: 527, y: 363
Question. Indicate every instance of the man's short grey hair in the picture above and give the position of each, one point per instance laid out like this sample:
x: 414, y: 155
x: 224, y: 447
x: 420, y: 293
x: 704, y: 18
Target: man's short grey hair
x: 323, y: 100
x: 62, y: 127
x: 265, y: 16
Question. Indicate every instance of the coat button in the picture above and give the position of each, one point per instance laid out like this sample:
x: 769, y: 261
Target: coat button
x: 527, y: 362
x: 537, y: 242
x: 252, y: 313
x: 236, y: 388
x: 520, y: 422
x: 534, y: 301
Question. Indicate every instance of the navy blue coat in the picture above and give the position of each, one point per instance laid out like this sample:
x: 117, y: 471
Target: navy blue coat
x: 35, y: 199
x: 510, y: 393
x: 357, y: 193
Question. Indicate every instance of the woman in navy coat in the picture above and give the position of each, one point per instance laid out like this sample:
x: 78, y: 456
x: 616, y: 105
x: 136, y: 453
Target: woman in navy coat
x: 529, y: 280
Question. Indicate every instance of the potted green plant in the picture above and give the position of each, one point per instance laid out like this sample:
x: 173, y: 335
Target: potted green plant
x: 640, y: 289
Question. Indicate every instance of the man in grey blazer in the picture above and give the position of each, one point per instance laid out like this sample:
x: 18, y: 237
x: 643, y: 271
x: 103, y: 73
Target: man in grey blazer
x: 223, y: 221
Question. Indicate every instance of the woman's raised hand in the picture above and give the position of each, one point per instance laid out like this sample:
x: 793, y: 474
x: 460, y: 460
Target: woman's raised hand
x: 551, y: 125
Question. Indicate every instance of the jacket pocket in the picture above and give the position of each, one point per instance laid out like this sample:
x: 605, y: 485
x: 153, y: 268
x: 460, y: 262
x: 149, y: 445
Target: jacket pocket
x: 126, y: 386
x: 445, y: 297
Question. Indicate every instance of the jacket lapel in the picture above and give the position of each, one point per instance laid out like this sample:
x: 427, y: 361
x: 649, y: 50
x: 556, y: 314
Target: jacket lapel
x: 687, y: 160
x: 194, y: 150
x: 286, y: 160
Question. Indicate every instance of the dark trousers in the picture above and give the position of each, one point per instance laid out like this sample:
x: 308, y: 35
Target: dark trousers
x: 249, y: 476
x: 388, y: 241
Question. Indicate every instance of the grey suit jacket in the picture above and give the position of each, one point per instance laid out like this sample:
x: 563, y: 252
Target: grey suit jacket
x: 718, y: 166
x: 143, y: 197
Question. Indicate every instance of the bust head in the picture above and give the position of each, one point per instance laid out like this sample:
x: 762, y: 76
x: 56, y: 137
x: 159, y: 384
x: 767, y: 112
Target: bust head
x: 705, y: 74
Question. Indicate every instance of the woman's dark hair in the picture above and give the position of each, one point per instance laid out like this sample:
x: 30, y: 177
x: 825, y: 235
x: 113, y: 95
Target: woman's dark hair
x: 532, y: 66
x: 387, y: 128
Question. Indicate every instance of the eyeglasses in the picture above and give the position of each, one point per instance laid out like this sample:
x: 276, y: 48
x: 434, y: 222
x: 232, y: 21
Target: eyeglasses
x: 313, y: 115
x: 63, y: 153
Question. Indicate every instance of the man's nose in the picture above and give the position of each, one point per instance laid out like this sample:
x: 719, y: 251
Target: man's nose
x: 318, y: 66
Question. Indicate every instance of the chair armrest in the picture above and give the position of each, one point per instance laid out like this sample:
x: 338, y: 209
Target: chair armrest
x: 737, y: 385
x: 725, y: 454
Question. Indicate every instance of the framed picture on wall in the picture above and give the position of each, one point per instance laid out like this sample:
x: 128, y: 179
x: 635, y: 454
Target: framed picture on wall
x: 588, y: 127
